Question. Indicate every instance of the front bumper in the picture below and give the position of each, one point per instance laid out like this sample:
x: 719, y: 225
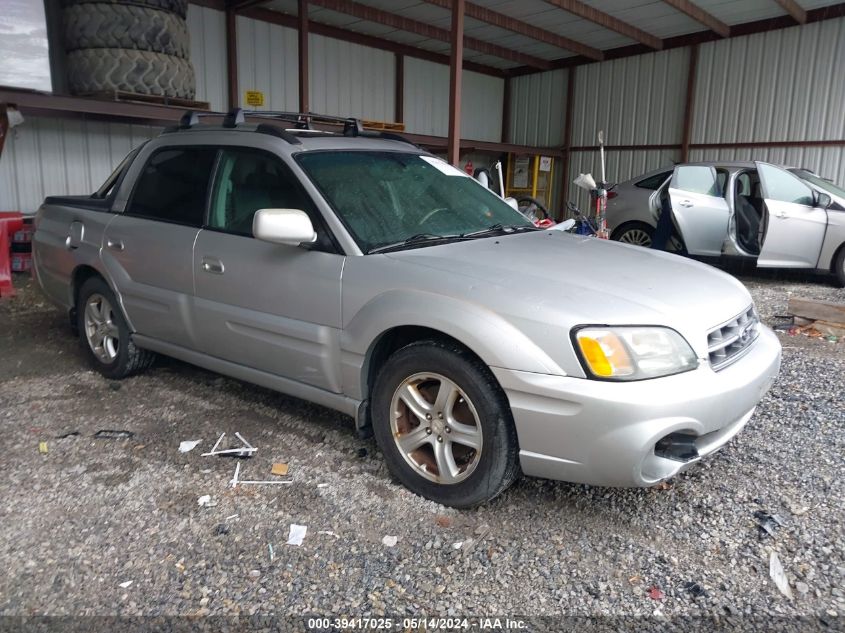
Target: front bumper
x: 604, y: 433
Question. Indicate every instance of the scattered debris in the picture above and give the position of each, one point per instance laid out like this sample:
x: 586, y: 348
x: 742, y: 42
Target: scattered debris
x: 695, y: 590
x: 655, y: 593
x: 245, y: 450
x: 187, y: 446
x: 126, y: 585
x: 768, y: 523
x: 778, y: 576
x: 111, y: 434
x: 297, y: 534
x: 322, y: 485
x: 42, y: 448
x: 232, y: 516
x: 633, y: 580
x: 272, y: 554
x: 221, y: 529
x: 817, y: 319
x: 64, y: 436
x: 457, y: 545
x: 235, y: 481
x: 390, y: 541
x: 443, y: 521
x: 328, y: 533
x: 206, y: 502
x: 255, y: 574
x: 279, y: 469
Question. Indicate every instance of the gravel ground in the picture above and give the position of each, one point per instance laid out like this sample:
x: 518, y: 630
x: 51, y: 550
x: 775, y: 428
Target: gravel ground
x: 94, y: 513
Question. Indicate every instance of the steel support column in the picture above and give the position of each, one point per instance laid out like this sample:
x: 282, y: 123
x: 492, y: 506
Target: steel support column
x: 303, y: 55
x: 456, y: 61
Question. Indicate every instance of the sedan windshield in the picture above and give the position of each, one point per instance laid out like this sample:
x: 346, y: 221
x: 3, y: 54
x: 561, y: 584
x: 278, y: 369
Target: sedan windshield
x: 398, y: 200
x: 821, y: 183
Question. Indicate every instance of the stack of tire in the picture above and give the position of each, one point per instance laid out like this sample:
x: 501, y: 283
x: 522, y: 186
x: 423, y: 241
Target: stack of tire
x: 136, y: 46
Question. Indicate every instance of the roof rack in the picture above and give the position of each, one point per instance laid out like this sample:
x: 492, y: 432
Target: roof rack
x: 300, y: 120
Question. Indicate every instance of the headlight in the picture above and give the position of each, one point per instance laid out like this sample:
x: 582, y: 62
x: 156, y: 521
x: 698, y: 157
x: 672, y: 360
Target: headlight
x: 633, y: 353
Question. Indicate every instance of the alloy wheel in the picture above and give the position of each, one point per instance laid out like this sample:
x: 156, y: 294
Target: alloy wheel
x: 436, y: 428
x: 101, y: 330
x: 637, y: 237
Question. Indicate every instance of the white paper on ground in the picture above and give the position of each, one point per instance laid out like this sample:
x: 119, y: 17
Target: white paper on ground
x: 297, y: 533
x: 188, y: 445
x: 778, y: 575
x: 390, y: 541
x: 204, y: 500
x: 125, y: 585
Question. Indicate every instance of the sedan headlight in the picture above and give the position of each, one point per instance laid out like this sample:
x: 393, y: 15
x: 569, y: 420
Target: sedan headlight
x: 632, y: 353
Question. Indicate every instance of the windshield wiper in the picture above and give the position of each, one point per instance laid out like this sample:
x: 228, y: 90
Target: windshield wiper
x: 414, y: 239
x: 501, y: 228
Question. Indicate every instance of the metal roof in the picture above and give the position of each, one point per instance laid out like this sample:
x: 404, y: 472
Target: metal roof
x: 599, y: 24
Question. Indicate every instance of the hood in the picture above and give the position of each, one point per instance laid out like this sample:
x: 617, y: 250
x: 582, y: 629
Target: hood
x: 575, y: 280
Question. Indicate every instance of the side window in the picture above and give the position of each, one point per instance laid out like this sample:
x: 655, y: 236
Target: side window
x: 249, y: 180
x: 653, y: 182
x: 783, y: 186
x: 722, y: 182
x: 173, y: 185
x: 696, y: 179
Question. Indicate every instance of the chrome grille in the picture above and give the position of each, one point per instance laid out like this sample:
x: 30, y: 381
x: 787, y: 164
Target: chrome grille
x: 730, y: 341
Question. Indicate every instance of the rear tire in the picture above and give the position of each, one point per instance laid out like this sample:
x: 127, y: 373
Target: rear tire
x: 839, y: 267
x: 457, y: 405
x: 104, y: 334
x: 635, y: 233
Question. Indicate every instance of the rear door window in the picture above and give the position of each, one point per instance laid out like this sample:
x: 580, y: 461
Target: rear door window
x: 173, y: 185
x: 653, y: 182
x: 696, y: 179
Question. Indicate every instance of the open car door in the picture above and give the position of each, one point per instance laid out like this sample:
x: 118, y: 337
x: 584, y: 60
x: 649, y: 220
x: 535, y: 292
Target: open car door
x: 793, y: 227
x: 700, y: 209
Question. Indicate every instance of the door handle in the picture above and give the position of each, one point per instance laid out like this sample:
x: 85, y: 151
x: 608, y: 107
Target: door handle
x: 210, y: 265
x: 115, y: 245
x: 69, y: 244
x: 685, y: 203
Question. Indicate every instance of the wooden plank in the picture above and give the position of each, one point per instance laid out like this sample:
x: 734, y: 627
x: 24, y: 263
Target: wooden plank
x: 606, y: 20
x: 455, y: 74
x: 701, y: 16
x: 794, y: 9
x: 833, y: 313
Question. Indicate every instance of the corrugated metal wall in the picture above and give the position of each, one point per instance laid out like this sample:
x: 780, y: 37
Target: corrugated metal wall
x: 348, y: 79
x: 268, y: 61
x: 207, y: 29
x: 635, y: 100
x: 426, y: 96
x: 50, y: 156
x: 778, y: 86
x: 537, y: 109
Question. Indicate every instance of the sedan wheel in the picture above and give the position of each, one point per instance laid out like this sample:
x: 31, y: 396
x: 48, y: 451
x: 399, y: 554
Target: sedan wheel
x: 100, y: 328
x: 637, y: 237
x: 436, y: 428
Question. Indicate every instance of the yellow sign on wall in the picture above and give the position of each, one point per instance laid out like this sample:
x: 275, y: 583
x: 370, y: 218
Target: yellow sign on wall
x: 254, y: 98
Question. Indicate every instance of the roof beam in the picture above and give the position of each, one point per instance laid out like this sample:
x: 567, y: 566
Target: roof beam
x: 794, y: 9
x: 240, y: 5
x: 345, y: 35
x: 700, y: 15
x: 585, y: 11
x: 509, y: 23
x: 371, y: 14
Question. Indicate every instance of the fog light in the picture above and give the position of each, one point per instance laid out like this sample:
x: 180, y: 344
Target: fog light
x: 679, y: 447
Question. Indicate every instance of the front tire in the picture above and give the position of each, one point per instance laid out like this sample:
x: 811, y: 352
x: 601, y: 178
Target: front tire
x: 444, y: 425
x: 636, y: 233
x: 104, y: 334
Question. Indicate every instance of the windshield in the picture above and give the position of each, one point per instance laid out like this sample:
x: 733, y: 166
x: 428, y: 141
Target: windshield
x: 821, y: 183
x: 385, y: 198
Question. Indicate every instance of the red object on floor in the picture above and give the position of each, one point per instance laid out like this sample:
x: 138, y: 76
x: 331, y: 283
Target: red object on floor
x: 10, y: 223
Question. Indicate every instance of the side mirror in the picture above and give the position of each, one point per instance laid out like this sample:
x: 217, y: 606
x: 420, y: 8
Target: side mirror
x: 283, y: 226
x: 566, y: 225
x: 823, y: 200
